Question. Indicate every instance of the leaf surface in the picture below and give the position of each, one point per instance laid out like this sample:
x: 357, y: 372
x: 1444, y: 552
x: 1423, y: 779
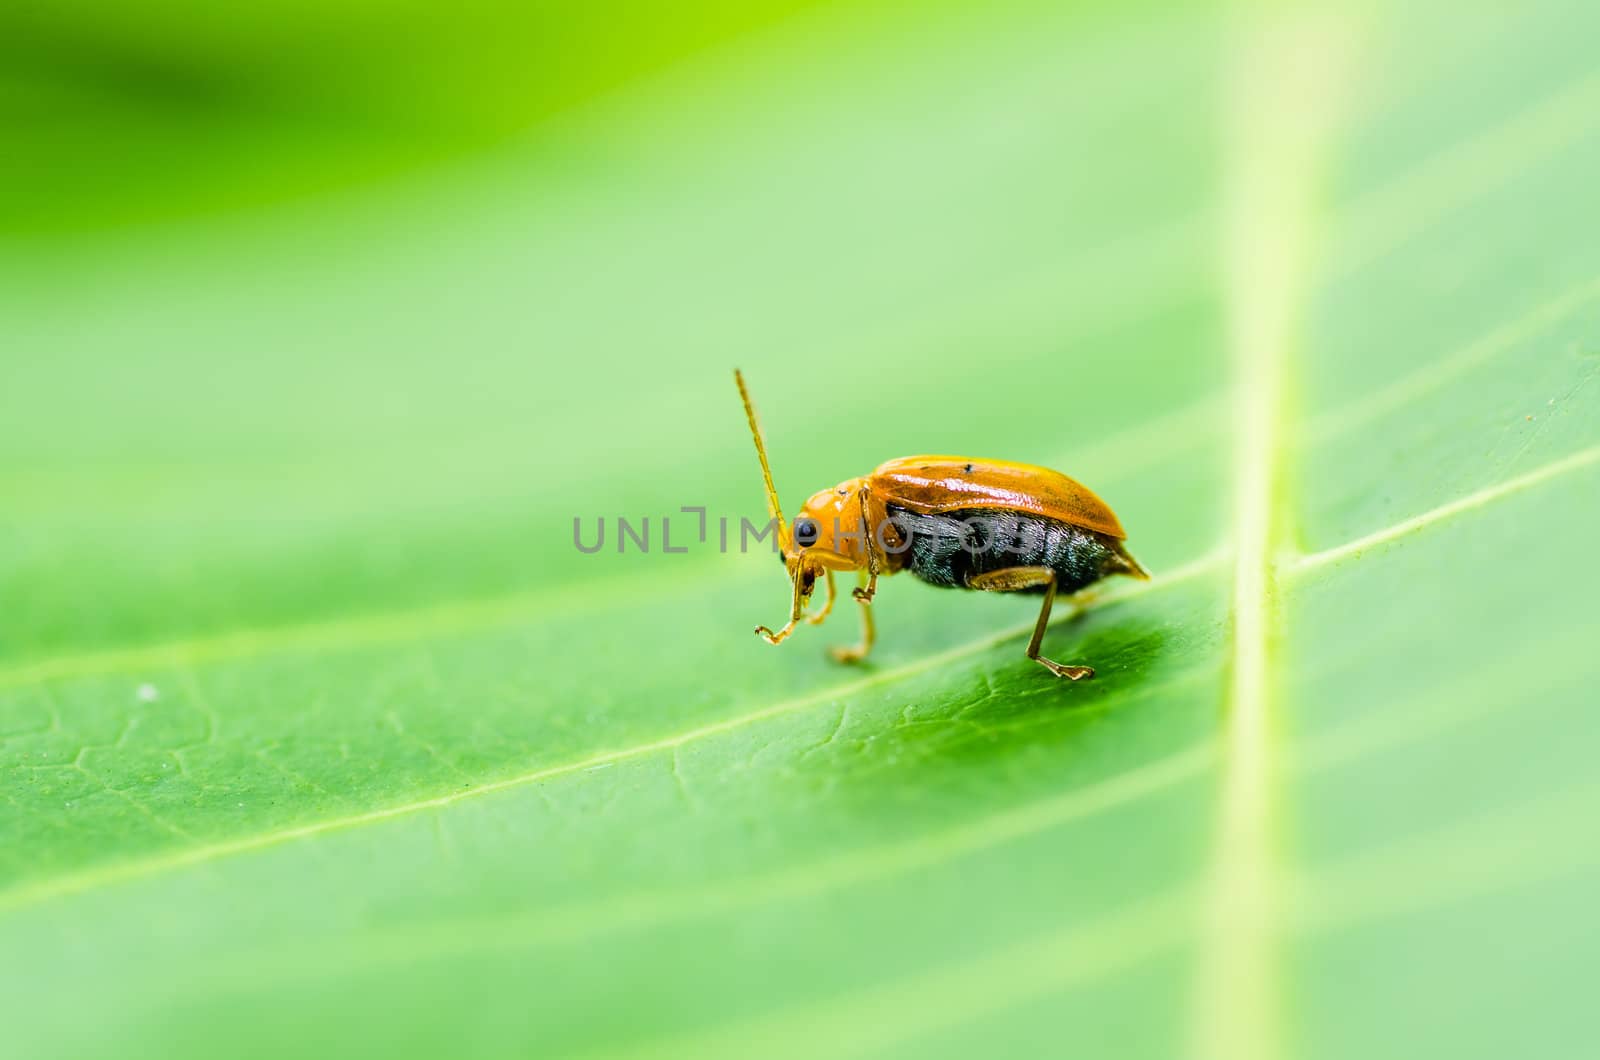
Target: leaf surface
x: 315, y: 726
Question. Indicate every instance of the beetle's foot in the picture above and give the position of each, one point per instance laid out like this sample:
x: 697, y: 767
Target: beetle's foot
x: 1071, y: 673
x: 767, y: 635
x: 864, y: 595
x: 853, y: 654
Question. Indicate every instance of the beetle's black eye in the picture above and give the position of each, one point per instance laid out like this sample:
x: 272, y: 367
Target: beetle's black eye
x: 805, y: 532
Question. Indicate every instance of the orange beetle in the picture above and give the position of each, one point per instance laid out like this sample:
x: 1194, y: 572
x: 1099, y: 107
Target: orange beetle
x: 953, y: 521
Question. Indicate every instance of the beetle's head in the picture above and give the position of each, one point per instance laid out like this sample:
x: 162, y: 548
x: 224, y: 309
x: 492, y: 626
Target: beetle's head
x: 829, y: 533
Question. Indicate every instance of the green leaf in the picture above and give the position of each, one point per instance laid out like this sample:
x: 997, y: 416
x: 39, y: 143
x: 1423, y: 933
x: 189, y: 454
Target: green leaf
x: 319, y: 735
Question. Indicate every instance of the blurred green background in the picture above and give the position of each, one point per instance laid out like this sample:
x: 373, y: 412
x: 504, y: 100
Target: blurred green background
x: 321, y: 323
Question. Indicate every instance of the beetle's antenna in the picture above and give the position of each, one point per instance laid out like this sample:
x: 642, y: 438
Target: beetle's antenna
x: 774, y: 509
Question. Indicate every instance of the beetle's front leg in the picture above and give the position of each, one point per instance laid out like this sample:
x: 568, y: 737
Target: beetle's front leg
x: 803, y: 581
x: 868, y: 630
x: 865, y: 593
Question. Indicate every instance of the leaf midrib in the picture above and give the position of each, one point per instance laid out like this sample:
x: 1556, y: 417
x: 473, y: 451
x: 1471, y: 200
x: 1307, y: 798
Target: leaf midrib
x: 1293, y: 72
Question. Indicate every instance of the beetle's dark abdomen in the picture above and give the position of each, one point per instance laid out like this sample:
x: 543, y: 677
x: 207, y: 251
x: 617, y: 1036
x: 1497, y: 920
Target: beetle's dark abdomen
x: 950, y: 548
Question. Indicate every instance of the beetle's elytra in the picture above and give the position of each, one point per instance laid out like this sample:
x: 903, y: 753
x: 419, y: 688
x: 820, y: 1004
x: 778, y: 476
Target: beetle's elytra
x: 959, y: 522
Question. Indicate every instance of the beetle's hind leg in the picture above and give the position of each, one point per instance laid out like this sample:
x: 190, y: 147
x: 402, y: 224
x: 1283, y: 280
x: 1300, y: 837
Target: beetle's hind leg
x: 869, y: 633
x: 1015, y: 579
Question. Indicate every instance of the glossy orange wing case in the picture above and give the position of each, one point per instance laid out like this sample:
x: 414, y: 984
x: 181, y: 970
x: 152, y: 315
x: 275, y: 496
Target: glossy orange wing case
x: 934, y: 484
